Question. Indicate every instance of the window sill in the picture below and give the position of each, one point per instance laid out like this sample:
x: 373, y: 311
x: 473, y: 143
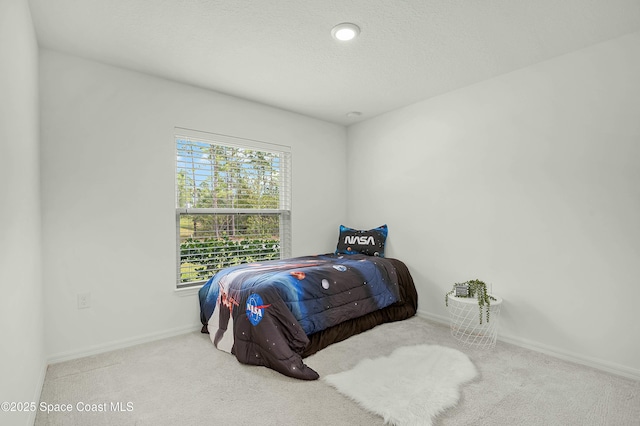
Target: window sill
x: 188, y: 291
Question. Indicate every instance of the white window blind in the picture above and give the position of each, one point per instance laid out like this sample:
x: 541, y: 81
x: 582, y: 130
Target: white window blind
x: 233, y: 203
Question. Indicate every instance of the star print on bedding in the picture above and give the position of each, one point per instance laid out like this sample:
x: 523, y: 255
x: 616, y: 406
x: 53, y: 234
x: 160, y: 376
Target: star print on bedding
x: 263, y: 312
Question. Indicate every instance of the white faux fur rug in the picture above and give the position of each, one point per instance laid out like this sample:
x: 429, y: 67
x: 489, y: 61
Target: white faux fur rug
x: 409, y: 387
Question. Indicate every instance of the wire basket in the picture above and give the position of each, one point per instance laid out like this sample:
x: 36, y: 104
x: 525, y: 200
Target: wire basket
x: 465, y: 322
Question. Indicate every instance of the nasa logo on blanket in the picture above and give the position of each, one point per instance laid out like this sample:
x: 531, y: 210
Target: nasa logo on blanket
x: 255, y: 308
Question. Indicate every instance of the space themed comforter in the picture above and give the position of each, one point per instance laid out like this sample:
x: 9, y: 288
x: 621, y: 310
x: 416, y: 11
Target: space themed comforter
x: 264, y: 312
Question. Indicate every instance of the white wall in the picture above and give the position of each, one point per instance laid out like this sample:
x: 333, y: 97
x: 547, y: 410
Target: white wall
x: 529, y: 181
x: 22, y: 360
x: 108, y: 195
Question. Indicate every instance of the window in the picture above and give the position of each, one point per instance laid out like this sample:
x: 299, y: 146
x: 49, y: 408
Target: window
x: 233, y: 203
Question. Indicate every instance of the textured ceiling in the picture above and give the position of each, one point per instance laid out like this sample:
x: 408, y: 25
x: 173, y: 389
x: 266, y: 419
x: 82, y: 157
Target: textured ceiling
x: 281, y: 53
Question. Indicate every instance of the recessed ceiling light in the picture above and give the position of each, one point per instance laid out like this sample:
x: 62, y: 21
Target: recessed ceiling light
x: 354, y: 114
x: 345, y: 31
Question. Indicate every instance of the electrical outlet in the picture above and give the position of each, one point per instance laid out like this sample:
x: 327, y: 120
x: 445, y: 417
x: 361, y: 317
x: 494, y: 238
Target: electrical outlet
x: 84, y: 300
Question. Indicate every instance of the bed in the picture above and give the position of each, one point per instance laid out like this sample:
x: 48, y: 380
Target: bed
x: 276, y: 313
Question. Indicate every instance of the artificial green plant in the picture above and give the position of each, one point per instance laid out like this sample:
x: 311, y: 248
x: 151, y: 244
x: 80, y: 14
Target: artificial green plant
x: 478, y: 289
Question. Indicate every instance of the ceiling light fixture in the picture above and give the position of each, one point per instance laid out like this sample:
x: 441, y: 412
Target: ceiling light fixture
x: 345, y: 31
x: 354, y: 114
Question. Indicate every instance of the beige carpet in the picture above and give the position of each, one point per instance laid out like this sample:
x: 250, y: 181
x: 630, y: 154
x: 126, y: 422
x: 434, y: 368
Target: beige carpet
x: 185, y: 381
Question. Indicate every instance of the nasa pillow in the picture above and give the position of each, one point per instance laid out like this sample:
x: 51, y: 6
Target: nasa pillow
x: 353, y: 241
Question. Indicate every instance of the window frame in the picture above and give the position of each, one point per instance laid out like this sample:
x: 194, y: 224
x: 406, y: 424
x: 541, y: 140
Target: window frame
x: 284, y: 191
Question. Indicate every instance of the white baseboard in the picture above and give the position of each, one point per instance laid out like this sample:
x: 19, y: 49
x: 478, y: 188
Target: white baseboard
x: 599, y: 364
x: 434, y: 317
x: 609, y: 367
x: 38, y: 392
x: 120, y: 344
